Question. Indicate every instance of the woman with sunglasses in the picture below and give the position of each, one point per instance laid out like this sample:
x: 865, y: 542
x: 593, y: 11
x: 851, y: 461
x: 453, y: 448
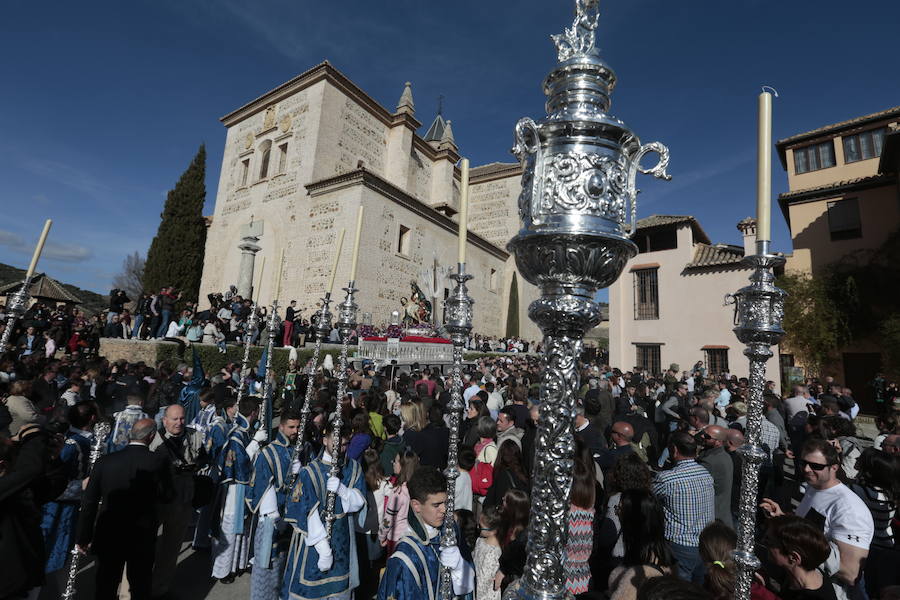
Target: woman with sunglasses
x: 833, y: 507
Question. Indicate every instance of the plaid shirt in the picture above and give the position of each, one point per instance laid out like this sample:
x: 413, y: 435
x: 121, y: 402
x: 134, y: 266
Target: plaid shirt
x: 688, y: 498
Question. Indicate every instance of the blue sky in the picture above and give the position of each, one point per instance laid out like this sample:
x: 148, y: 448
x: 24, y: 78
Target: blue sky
x: 104, y: 104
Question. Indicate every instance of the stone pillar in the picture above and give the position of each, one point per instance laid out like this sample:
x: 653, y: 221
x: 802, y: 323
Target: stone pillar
x: 250, y: 234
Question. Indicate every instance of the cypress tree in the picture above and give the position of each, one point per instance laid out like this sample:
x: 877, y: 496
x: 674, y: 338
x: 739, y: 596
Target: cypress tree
x: 512, y: 312
x: 175, y: 257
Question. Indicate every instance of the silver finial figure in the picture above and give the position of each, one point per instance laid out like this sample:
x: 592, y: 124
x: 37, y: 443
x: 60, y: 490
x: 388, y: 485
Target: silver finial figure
x: 18, y: 304
x: 578, y: 207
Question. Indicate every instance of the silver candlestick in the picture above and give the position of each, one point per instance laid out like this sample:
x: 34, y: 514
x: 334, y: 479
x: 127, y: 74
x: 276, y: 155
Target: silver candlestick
x: 458, y: 323
x: 322, y: 329
x: 578, y: 194
x: 758, y: 313
x: 265, y: 416
x: 18, y: 304
x: 101, y: 432
x: 252, y: 323
x: 345, y: 324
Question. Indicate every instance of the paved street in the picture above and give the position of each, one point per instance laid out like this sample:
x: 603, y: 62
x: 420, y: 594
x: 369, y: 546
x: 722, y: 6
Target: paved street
x: 192, y: 582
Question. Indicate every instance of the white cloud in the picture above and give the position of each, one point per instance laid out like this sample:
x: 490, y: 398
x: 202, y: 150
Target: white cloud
x: 68, y: 175
x: 69, y: 253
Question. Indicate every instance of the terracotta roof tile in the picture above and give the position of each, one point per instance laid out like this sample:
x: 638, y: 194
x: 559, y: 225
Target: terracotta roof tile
x: 884, y: 114
x: 718, y: 255
x: 43, y: 287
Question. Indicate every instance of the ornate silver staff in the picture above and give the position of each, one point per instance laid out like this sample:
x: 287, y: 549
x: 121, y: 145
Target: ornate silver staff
x: 248, y: 338
x: 578, y: 194
x: 345, y: 324
x: 101, y: 432
x: 458, y: 323
x: 758, y: 313
x: 264, y: 417
x: 18, y: 303
x: 323, y: 328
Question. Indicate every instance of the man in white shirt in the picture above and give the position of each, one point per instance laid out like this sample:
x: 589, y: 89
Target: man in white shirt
x: 471, y: 387
x: 724, y: 398
x: 843, y: 516
x: 798, y: 403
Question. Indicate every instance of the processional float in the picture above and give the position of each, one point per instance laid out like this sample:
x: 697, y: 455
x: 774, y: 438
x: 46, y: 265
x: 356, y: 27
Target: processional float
x: 578, y: 210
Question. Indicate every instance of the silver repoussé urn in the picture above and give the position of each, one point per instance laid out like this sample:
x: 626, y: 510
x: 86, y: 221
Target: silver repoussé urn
x: 578, y: 211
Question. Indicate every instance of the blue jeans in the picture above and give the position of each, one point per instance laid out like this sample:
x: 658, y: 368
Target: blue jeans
x: 164, y: 323
x: 136, y: 330
x: 690, y: 565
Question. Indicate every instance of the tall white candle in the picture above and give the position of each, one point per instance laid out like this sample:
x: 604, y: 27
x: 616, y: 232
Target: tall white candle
x: 337, y: 256
x: 278, y: 272
x: 764, y: 169
x: 39, y: 248
x: 256, y: 290
x: 359, y: 219
x: 463, y: 209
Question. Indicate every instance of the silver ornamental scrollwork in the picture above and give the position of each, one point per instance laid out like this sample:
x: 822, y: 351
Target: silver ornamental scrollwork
x: 578, y: 39
x: 527, y: 149
x: 636, y: 155
x: 593, y: 184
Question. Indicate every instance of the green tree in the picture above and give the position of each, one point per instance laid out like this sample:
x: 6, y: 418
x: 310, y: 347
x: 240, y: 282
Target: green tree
x: 512, y: 313
x: 175, y: 257
x: 815, y: 327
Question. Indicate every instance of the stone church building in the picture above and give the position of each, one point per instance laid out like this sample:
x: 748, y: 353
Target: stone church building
x: 298, y: 162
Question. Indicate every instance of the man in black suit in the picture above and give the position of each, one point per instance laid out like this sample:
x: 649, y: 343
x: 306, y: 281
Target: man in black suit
x: 132, y: 484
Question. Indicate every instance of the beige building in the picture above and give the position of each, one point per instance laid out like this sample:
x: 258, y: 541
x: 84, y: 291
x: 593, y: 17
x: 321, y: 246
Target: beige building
x: 299, y: 161
x: 669, y: 304
x: 842, y: 201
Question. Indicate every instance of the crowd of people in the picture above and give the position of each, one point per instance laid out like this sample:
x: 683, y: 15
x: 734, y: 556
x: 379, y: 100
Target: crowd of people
x: 653, y: 504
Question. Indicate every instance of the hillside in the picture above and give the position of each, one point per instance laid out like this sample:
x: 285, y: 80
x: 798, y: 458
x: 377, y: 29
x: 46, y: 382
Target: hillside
x: 92, y: 302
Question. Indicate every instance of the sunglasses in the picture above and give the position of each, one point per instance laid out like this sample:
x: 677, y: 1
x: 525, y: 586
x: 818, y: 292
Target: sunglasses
x: 814, y: 466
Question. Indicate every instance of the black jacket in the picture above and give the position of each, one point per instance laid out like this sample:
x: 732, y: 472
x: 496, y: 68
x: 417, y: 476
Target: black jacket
x: 131, y: 484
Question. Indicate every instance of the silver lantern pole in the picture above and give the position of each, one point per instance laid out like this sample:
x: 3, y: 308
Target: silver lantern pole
x: 265, y: 415
x: 758, y: 313
x: 345, y: 323
x: 578, y: 197
x: 458, y: 323
x: 18, y: 304
x: 322, y: 329
x: 101, y: 432
x: 252, y: 323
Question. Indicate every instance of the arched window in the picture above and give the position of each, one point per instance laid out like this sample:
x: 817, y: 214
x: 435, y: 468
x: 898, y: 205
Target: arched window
x: 265, y: 154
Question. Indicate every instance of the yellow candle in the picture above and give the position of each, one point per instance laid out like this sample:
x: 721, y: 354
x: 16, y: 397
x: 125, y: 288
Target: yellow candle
x: 256, y: 290
x: 337, y: 256
x: 764, y: 169
x: 39, y: 248
x: 463, y: 208
x: 278, y: 273
x: 359, y: 216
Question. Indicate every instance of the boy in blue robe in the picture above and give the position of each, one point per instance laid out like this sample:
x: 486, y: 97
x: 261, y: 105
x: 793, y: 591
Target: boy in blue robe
x: 266, y: 499
x: 231, y: 544
x: 318, y: 566
x: 413, y: 571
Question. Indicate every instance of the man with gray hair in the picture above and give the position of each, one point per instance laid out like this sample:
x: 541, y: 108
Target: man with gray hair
x: 118, y: 520
x: 185, y: 449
